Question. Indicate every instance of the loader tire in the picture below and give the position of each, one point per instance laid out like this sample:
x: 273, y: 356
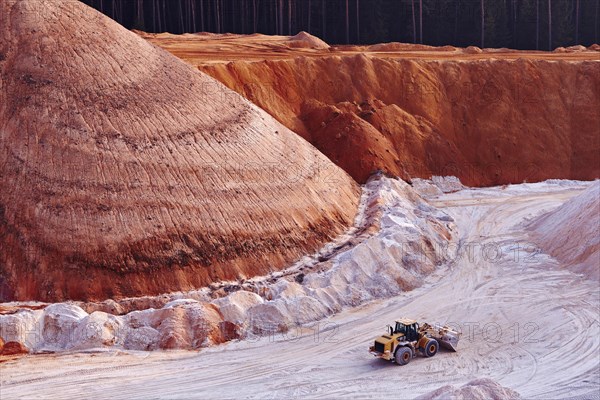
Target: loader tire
x: 431, y: 348
x: 403, y: 355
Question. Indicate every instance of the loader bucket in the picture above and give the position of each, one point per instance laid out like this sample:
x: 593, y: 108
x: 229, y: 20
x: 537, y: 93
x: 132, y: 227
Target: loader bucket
x: 446, y: 337
x: 449, y: 341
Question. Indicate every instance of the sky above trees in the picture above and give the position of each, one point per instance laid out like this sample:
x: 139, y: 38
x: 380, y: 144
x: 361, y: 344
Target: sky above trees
x: 522, y: 24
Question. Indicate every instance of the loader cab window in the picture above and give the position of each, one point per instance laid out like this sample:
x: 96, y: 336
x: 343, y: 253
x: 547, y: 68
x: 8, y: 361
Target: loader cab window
x: 400, y: 328
x: 411, y: 332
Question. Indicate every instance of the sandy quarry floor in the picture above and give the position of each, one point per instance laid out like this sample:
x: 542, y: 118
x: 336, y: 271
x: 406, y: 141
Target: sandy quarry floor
x: 526, y: 323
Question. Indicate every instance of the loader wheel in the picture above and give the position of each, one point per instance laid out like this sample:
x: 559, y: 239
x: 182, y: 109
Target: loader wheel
x: 403, y: 355
x: 431, y: 348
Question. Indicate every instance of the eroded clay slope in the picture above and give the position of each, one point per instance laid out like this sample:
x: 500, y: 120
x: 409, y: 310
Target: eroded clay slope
x: 489, y: 116
x: 123, y: 175
x: 488, y: 122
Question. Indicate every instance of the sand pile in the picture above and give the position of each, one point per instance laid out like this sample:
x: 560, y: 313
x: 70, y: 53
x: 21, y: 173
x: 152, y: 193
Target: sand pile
x: 411, y: 241
x: 306, y: 40
x: 437, y: 185
x: 127, y: 172
x: 473, y: 50
x: 488, y: 118
x: 571, y: 233
x: 64, y: 326
x: 571, y: 49
x: 478, y: 389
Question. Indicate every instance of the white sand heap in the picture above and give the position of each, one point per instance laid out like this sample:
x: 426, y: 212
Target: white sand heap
x: 306, y: 40
x: 571, y: 233
x: 478, y: 389
x: 437, y: 185
x: 409, y: 244
x: 64, y: 326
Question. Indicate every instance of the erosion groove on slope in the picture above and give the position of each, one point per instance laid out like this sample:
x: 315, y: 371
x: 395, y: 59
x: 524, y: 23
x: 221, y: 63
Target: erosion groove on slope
x: 122, y: 175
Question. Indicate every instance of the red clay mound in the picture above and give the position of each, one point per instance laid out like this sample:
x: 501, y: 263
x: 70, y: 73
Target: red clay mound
x: 127, y: 172
x: 340, y: 132
x: 13, y: 348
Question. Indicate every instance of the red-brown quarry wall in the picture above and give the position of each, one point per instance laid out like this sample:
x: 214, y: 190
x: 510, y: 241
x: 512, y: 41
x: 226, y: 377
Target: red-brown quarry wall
x: 488, y: 121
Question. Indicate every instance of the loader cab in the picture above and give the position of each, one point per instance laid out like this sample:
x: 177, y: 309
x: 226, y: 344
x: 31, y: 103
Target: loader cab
x: 409, y: 328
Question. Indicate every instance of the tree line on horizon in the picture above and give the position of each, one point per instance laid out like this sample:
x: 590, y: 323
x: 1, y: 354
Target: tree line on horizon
x: 519, y: 24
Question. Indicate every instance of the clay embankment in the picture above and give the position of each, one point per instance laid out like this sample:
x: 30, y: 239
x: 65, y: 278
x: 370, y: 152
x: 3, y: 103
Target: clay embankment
x: 490, y: 116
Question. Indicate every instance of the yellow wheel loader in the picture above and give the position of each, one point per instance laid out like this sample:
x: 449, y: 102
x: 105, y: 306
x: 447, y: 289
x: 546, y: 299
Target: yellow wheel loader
x: 407, y: 339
